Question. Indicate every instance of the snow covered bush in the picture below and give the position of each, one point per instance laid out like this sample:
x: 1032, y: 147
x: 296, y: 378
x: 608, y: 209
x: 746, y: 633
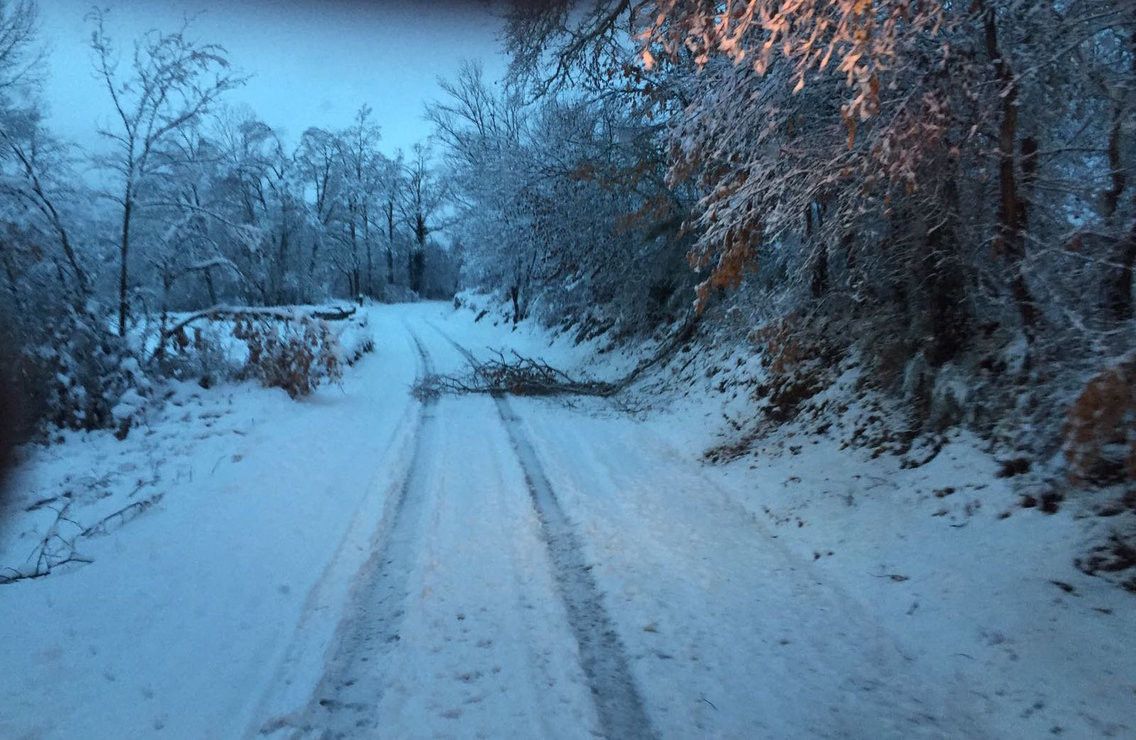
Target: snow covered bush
x: 294, y: 355
x: 77, y: 376
x: 198, y: 353
x: 289, y: 348
x: 10, y: 413
x: 353, y: 341
x: 798, y: 363
x: 1100, y: 431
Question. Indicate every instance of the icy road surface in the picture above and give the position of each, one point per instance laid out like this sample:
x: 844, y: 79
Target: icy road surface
x: 365, y: 564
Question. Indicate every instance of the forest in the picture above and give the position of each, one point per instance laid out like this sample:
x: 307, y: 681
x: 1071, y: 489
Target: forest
x: 746, y: 368
x: 941, y: 189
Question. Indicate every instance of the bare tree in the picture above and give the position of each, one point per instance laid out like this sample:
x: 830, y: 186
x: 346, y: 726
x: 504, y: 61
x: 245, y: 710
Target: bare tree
x: 259, y: 191
x: 169, y: 82
x: 20, y: 59
x: 422, y: 199
x: 40, y: 161
x: 362, y: 181
x: 392, y: 182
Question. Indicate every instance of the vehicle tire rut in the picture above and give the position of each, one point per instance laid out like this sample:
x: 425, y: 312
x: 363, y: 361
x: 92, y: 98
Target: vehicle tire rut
x: 345, y: 702
x: 619, y: 705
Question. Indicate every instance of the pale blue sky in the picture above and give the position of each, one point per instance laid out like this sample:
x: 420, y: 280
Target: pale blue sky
x: 314, y: 63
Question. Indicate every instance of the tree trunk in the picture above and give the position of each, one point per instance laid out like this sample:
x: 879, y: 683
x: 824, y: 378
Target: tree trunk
x: 818, y: 283
x: 12, y: 284
x: 370, y: 270
x: 418, y: 256
x: 390, y: 243
x: 1118, y: 283
x: 417, y: 269
x: 312, y: 265
x: 367, y: 242
x: 123, y: 253
x: 515, y: 297
x: 285, y: 242
x: 167, y: 283
x: 1010, y: 241
x: 848, y: 247
x: 950, y: 319
x: 353, y: 230
x: 210, y: 287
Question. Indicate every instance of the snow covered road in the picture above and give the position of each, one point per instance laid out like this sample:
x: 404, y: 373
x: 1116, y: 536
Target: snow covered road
x: 485, y: 608
x: 365, y: 564
x: 454, y: 625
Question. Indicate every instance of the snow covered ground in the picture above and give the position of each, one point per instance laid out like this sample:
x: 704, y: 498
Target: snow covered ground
x: 361, y: 563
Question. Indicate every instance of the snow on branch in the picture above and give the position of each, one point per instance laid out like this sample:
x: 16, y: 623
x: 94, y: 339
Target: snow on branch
x: 515, y: 374
x: 256, y: 313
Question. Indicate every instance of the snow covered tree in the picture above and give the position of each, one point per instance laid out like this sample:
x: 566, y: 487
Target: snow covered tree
x: 947, y: 182
x: 363, y: 171
x: 423, y: 195
x: 391, y: 181
x: 36, y: 177
x: 562, y: 200
x: 169, y: 82
x: 21, y: 60
x: 260, y: 189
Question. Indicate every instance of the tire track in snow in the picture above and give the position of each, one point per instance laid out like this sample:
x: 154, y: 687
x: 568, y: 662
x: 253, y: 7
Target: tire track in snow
x: 284, y: 690
x: 346, y: 700
x: 602, y: 657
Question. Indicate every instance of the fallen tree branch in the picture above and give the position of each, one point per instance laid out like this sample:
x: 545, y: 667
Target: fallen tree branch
x: 52, y: 551
x: 55, y: 550
x: 333, y: 314
x: 119, y: 518
x: 255, y: 313
x: 517, y: 375
x: 13, y: 575
x: 525, y: 376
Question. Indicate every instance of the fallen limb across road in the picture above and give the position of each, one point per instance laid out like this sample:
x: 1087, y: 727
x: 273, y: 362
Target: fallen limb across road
x: 526, y: 376
x: 515, y: 374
